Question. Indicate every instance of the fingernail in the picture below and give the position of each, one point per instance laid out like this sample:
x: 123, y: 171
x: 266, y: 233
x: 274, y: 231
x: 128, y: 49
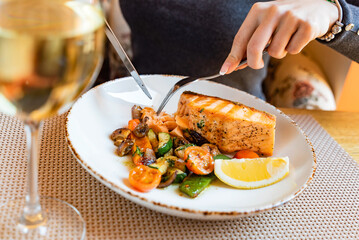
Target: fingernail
x: 224, y: 68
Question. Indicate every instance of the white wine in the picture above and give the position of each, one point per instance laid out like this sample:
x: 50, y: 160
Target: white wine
x: 48, y: 55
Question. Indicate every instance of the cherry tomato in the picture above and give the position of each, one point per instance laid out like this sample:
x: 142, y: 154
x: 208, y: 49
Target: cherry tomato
x: 245, y: 154
x: 199, y: 160
x: 132, y: 124
x: 144, y: 178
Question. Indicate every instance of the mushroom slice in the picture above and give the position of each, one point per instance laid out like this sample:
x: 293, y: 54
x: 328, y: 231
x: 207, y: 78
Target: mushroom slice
x: 120, y: 134
x: 125, y: 147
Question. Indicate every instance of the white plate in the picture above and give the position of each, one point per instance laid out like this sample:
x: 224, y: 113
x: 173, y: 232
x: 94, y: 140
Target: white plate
x: 108, y: 106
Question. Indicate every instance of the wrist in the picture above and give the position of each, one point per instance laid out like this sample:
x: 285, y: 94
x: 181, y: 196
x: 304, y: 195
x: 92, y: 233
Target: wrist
x: 332, y: 13
x: 336, y: 22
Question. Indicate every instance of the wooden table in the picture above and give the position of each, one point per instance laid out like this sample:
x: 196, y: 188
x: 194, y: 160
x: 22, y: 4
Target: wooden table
x: 342, y: 126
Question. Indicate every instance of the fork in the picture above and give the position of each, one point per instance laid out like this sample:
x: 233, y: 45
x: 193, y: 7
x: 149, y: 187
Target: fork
x: 185, y: 81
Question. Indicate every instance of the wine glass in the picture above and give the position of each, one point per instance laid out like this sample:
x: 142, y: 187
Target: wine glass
x: 50, y: 52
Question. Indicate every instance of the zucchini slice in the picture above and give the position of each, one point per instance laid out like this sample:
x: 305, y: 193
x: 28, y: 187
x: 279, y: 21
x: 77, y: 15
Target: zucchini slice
x: 180, y: 177
x: 161, y: 164
x: 165, y: 143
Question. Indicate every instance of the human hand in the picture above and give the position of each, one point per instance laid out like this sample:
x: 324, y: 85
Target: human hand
x: 286, y: 26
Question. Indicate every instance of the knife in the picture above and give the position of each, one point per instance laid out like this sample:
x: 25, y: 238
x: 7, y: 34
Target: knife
x: 126, y: 61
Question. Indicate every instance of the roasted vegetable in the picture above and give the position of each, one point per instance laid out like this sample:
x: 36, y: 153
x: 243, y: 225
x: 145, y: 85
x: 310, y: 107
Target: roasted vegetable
x: 169, y: 153
x: 118, y: 142
x: 179, y: 152
x: 221, y: 156
x: 140, y: 130
x: 194, y: 137
x: 165, y: 143
x: 139, y: 149
x: 168, y: 181
x: 143, y: 143
x: 125, y: 147
x: 136, y: 112
x: 180, y: 176
x: 188, y: 136
x: 137, y: 155
x: 149, y: 157
x: 120, y: 134
x: 161, y: 164
x: 213, y: 149
x: 153, y: 139
x: 181, y: 164
x: 195, y: 184
x: 178, y: 141
x: 132, y: 124
x: 173, y: 175
x: 198, y: 138
x: 176, y: 162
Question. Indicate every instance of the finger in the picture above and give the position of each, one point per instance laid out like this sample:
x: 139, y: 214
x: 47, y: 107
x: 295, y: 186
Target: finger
x: 260, y: 38
x: 239, y: 44
x: 241, y: 67
x: 285, y: 30
x: 238, y: 48
x: 301, y: 38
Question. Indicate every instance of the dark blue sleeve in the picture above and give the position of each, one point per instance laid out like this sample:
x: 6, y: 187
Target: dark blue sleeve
x: 347, y: 42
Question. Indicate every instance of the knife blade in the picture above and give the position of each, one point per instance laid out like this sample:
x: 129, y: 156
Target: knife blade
x: 126, y: 61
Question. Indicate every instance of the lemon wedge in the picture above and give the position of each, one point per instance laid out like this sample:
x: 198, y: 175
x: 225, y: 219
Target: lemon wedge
x: 249, y: 173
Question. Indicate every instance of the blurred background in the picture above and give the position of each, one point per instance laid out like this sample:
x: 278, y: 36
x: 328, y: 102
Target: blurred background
x: 317, y: 78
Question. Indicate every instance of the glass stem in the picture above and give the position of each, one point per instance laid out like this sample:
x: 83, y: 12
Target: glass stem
x: 32, y: 215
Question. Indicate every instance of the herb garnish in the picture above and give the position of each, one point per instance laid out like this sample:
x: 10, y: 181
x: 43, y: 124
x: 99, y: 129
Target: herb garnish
x: 171, y: 162
x: 185, y: 146
x: 153, y: 167
x: 200, y: 124
x: 138, y: 152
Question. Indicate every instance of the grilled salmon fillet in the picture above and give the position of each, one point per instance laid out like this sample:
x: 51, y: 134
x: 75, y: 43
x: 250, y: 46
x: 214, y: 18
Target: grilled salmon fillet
x: 229, y: 125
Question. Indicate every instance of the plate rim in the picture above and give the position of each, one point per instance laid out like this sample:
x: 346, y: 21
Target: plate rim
x: 136, y: 198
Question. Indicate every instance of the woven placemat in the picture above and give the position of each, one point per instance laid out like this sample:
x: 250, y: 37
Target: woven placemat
x: 327, y: 209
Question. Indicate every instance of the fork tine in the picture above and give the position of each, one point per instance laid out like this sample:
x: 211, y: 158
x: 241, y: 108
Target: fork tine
x: 170, y: 93
x: 166, y: 99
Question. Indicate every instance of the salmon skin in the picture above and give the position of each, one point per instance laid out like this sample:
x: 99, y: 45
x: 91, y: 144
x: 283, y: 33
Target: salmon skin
x: 229, y: 125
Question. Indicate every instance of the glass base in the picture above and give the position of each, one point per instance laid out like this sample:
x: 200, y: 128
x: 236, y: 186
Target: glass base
x: 63, y: 221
